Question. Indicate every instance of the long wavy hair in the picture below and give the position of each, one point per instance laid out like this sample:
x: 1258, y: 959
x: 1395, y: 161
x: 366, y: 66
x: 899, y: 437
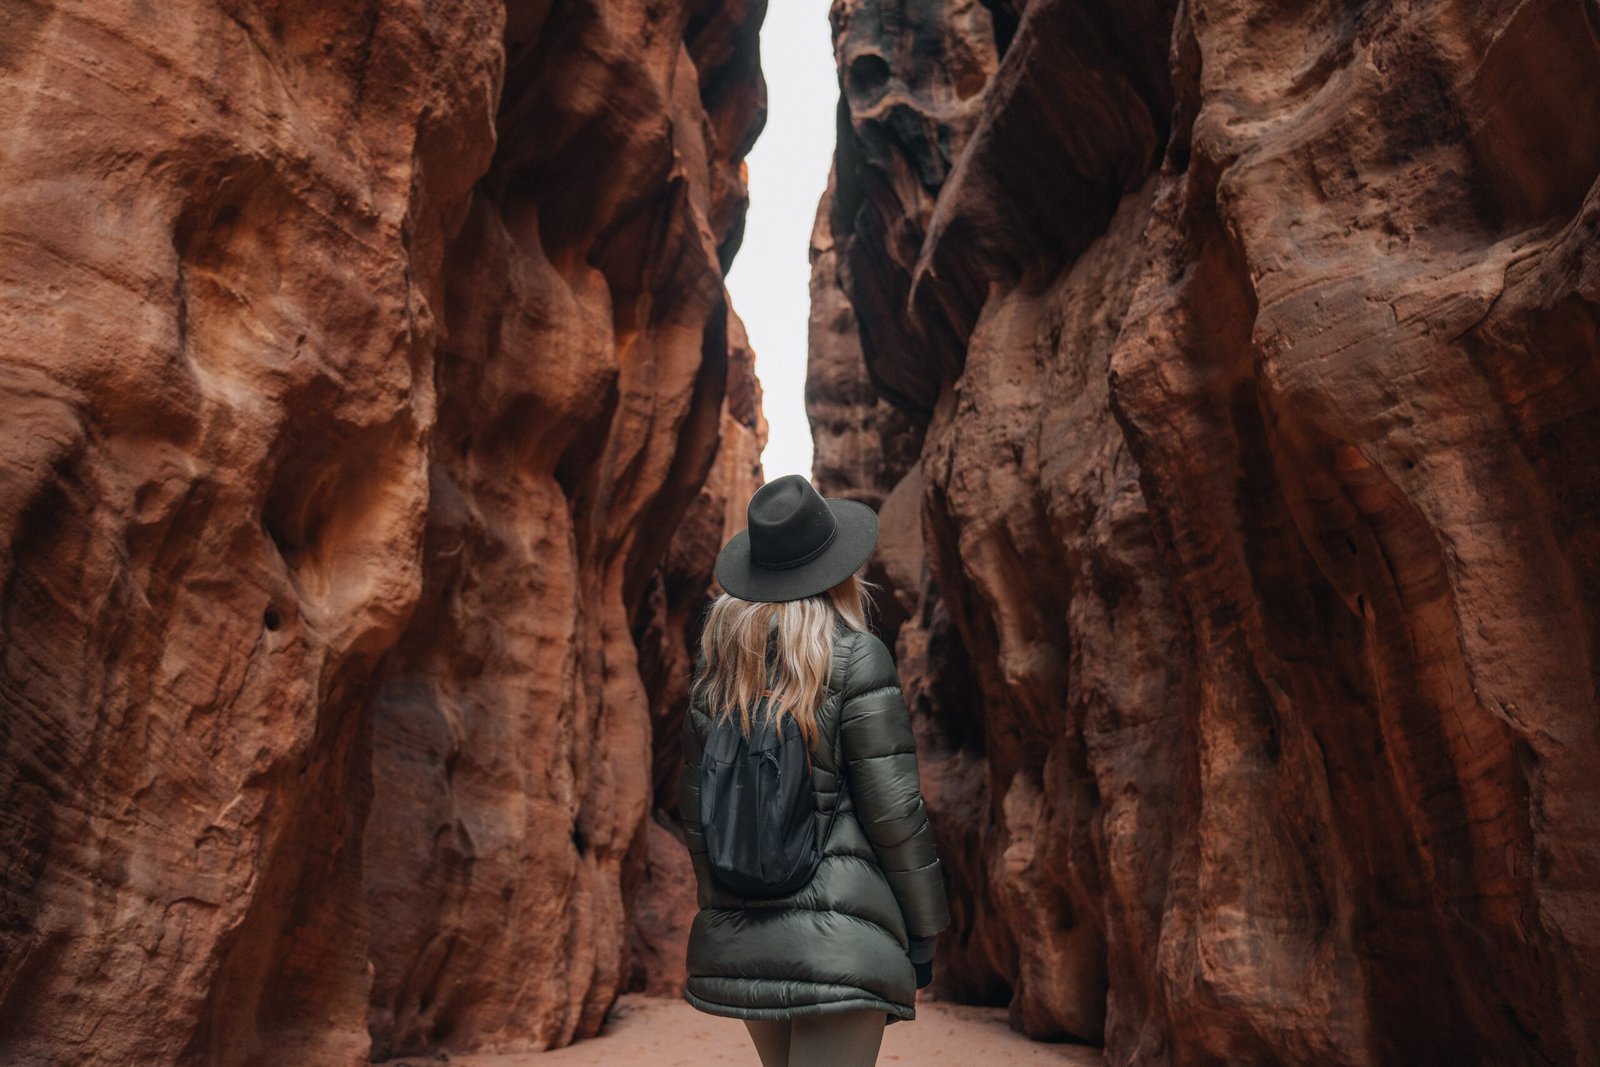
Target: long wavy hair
x: 737, y: 662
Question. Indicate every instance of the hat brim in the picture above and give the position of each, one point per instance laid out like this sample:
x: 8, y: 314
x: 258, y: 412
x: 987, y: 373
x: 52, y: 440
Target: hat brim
x: 856, y: 534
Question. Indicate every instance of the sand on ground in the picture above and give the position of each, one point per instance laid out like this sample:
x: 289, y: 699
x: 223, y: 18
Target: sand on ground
x: 656, y: 1032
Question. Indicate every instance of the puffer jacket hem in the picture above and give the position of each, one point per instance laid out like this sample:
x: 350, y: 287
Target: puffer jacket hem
x: 865, y: 1002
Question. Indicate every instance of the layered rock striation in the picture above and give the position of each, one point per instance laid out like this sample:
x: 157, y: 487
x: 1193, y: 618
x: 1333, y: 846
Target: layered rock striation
x: 360, y: 363
x: 1244, y: 576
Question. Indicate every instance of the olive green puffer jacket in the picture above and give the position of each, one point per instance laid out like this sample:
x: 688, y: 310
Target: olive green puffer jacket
x: 840, y: 943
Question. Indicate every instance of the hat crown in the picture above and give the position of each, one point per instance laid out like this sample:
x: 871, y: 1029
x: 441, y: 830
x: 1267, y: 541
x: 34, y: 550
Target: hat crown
x: 789, y: 523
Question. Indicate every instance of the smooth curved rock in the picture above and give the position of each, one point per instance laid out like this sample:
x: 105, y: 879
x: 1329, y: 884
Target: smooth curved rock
x: 1253, y: 350
x: 360, y: 362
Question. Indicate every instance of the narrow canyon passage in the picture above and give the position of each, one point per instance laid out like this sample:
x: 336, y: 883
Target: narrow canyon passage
x: 1225, y: 373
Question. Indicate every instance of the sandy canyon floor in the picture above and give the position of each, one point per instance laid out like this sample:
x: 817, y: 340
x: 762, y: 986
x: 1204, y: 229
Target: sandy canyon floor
x: 655, y: 1032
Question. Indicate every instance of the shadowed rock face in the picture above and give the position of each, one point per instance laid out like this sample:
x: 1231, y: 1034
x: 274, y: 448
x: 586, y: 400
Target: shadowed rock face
x: 359, y: 364
x: 1246, y: 580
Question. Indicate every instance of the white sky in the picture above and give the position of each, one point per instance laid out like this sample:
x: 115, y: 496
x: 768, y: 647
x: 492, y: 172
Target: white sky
x: 788, y: 172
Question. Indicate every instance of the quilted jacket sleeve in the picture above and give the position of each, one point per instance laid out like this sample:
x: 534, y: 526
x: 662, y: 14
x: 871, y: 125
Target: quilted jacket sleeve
x: 880, y: 757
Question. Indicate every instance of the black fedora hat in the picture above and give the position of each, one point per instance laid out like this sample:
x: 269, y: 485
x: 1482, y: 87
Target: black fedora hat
x: 797, y: 544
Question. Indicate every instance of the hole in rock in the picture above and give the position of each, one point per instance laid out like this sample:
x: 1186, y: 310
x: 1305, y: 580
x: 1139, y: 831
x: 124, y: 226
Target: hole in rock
x: 868, y: 73
x: 271, y: 619
x: 580, y: 841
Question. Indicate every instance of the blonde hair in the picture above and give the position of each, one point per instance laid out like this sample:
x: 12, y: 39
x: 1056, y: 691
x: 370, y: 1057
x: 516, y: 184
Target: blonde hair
x: 735, y: 645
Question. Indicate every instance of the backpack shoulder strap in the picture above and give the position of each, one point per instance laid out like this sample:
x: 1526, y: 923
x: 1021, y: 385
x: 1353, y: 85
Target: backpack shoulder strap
x: 843, y: 643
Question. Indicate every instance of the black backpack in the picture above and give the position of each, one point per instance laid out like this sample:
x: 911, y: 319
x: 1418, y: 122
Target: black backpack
x: 758, y: 806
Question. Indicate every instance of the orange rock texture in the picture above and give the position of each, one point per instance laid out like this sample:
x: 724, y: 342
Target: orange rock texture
x: 1229, y: 374
x: 370, y: 408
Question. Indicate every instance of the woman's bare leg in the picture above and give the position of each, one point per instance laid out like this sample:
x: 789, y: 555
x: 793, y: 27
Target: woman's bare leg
x: 772, y: 1040
x: 845, y: 1039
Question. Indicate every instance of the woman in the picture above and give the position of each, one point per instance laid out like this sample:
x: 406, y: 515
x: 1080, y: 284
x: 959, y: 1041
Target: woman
x: 816, y: 974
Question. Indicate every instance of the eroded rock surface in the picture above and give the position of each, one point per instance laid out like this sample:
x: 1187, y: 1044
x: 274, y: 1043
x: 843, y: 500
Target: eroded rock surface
x: 360, y: 361
x: 1249, y: 580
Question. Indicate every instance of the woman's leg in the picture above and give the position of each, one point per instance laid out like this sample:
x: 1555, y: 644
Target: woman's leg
x: 772, y: 1040
x: 845, y: 1039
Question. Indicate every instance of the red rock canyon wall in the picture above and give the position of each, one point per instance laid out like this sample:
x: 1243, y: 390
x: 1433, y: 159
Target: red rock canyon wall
x: 371, y: 403
x: 1227, y: 372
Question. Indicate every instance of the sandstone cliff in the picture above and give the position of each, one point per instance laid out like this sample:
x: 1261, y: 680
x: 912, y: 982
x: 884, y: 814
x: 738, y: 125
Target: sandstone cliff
x: 1244, y: 574
x: 360, y: 361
